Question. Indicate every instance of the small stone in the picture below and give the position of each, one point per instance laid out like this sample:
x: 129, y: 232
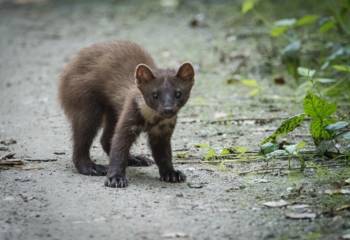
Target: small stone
x: 194, y: 185
x: 175, y: 235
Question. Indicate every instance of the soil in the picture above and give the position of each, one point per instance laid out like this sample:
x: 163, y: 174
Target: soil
x: 50, y: 200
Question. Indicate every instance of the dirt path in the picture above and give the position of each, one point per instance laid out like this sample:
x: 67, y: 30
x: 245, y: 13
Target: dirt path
x: 49, y: 200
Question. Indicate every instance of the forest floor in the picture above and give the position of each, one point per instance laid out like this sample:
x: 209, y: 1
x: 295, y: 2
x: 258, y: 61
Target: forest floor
x: 45, y: 198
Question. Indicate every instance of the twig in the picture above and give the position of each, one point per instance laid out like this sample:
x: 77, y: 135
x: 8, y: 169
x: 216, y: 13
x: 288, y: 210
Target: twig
x: 7, y: 156
x: 271, y: 169
x: 40, y: 159
x: 11, y: 162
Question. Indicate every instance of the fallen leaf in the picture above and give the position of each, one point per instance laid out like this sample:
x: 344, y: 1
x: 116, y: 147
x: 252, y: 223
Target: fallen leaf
x: 346, y: 236
x: 276, y: 204
x: 8, y: 156
x: 337, y: 191
x: 219, y: 115
x: 344, y: 207
x: 261, y: 180
x: 294, y: 215
x: 299, y: 208
x: 347, y: 181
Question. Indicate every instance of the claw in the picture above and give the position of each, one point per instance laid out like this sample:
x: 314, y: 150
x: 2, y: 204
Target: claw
x: 116, y: 181
x: 173, y: 176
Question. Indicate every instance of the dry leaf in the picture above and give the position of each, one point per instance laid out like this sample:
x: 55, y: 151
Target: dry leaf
x: 294, y: 215
x: 299, y: 208
x: 337, y: 191
x: 344, y: 207
x: 276, y: 204
x: 346, y: 236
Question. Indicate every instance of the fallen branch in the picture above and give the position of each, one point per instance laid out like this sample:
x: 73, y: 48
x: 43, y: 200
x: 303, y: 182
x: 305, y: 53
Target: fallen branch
x: 11, y: 162
x: 40, y: 159
x: 7, y: 156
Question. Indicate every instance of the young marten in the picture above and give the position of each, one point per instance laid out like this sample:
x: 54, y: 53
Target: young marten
x: 118, y: 86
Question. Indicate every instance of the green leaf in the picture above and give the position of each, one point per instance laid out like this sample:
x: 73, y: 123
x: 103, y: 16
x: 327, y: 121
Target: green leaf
x: 278, y: 31
x: 277, y: 153
x: 211, y: 154
x: 291, y: 149
x: 337, y: 126
x: 237, y: 149
x: 306, y: 20
x: 303, y: 89
x: 292, y: 49
x: 301, y: 145
x: 202, y: 145
x: 346, y: 135
x: 248, y: 5
x: 317, y: 107
x: 254, y: 92
x: 318, y: 130
x: 183, y: 154
x: 325, y: 80
x: 295, y: 148
x: 250, y: 83
x: 225, y: 151
x: 342, y: 68
x: 327, y: 26
x: 305, y: 72
x: 286, y: 126
x: 240, y: 149
x: 268, y: 147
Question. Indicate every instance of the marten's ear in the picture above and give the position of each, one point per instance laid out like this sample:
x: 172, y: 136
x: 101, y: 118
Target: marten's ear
x: 186, y: 72
x: 143, y: 74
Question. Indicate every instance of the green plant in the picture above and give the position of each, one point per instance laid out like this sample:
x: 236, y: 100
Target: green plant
x: 322, y: 124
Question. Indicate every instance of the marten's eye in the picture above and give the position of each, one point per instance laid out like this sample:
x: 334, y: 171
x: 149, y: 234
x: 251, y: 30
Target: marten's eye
x: 178, y: 94
x: 155, y: 95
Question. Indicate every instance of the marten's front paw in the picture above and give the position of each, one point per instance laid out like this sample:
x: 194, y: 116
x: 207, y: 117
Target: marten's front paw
x: 173, y: 176
x: 116, y: 181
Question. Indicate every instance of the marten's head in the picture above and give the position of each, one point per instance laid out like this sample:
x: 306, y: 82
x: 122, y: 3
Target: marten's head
x: 165, y: 90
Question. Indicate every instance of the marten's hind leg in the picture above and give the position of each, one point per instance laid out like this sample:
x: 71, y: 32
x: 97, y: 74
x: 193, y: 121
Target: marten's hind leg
x: 85, y: 126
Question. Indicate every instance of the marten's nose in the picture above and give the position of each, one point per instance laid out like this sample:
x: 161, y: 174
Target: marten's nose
x: 168, y: 111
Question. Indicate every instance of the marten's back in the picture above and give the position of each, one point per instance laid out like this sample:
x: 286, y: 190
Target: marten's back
x: 102, y: 73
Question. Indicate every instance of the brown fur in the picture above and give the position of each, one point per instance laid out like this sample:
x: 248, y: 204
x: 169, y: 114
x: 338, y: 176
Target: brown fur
x: 97, y: 88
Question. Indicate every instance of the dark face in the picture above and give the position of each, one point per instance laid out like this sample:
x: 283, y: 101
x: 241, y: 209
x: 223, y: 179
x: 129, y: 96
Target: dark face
x: 165, y: 91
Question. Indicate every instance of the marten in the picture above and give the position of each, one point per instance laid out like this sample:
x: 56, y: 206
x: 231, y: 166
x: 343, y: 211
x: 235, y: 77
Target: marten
x: 117, y: 86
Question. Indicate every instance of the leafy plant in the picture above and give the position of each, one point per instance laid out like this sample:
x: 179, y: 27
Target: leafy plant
x: 286, y: 127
